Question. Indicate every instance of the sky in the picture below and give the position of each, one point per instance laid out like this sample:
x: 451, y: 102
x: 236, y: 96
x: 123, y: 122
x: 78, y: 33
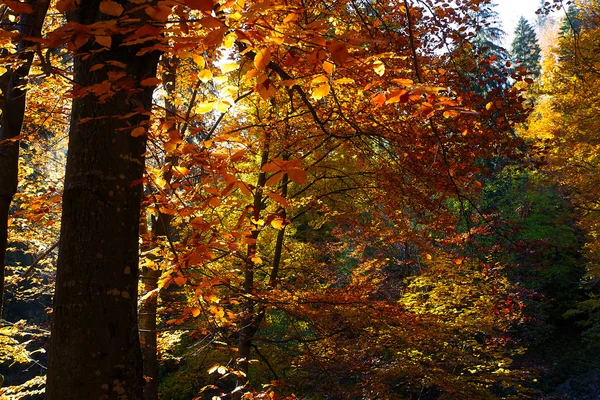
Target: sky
x: 511, y: 10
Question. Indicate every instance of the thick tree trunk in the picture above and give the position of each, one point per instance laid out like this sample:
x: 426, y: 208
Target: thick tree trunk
x: 13, y: 113
x: 95, y: 349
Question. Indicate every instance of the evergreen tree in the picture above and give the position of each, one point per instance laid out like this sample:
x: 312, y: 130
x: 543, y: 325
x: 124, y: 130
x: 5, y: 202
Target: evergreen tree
x: 490, y: 56
x: 525, y: 49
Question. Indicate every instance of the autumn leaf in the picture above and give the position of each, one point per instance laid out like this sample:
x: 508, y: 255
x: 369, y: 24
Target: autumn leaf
x: 180, y: 280
x: 278, y: 223
x: 205, y: 75
x: 262, y: 58
x: 225, y: 68
x: 321, y: 92
x: 139, y: 131
x: 339, y: 52
x: 275, y: 178
x: 150, y: 81
x: 297, y: 175
x: 110, y: 7
x: 203, y: 108
x: 328, y: 67
x: 278, y: 198
x: 379, y: 68
x: 201, y: 5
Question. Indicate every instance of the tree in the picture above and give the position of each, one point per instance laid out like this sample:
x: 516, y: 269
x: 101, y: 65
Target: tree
x: 94, y: 350
x: 12, y: 85
x: 525, y: 50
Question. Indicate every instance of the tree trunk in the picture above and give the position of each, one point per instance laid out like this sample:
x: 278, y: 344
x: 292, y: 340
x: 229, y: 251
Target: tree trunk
x: 160, y: 227
x: 95, y: 349
x: 13, y: 113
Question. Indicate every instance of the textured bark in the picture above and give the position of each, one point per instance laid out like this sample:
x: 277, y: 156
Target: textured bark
x: 13, y: 113
x: 95, y: 349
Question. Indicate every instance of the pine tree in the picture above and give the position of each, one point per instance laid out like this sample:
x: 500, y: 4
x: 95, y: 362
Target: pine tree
x: 526, y: 51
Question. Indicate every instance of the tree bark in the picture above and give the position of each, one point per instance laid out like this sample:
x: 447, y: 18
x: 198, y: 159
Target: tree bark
x: 13, y: 114
x: 95, y: 349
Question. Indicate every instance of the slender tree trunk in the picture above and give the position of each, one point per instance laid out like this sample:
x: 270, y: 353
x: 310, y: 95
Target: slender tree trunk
x: 148, y: 333
x: 13, y: 113
x: 160, y: 227
x: 95, y: 349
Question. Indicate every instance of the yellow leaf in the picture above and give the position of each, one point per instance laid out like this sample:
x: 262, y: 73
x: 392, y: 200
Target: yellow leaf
x: 319, y: 79
x: 2, y: 70
x: 110, y: 7
x: 262, y: 58
x: 203, y: 108
x: 218, y: 80
x: 256, y: 260
x: 212, y: 369
x: 278, y: 223
x: 222, y: 106
x: 225, y: 68
x: 105, y: 41
x: 229, y: 40
x: 379, y: 68
x: 205, y: 75
x: 321, y: 92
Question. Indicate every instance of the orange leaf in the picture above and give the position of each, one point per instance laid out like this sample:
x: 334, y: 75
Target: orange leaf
x: 180, y: 280
x: 110, y: 7
x: 278, y: 198
x: 321, y: 92
x: 270, y: 167
x: 278, y: 223
x: 297, y: 175
x: 274, y: 179
x: 150, y: 82
x: 328, y: 67
x: 105, y: 41
x: 139, y: 131
x: 262, y: 58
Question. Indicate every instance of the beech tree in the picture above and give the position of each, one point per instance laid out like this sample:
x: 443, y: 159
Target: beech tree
x: 95, y: 350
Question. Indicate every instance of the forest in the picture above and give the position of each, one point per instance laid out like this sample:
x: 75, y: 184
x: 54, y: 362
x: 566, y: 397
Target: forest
x: 298, y: 199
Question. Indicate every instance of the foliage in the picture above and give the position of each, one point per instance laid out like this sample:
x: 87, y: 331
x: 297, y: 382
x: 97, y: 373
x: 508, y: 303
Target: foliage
x: 319, y: 215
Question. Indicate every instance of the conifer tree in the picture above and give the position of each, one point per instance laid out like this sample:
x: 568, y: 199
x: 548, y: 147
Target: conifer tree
x: 525, y: 50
